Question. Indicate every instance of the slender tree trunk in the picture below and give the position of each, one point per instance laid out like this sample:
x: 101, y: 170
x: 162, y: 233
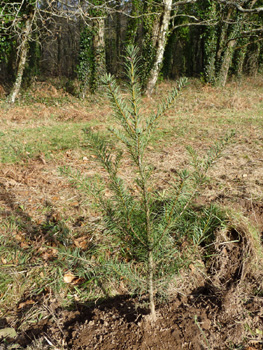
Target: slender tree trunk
x: 118, y: 36
x: 22, y: 60
x: 133, y: 23
x: 226, y: 48
x: 59, y: 52
x: 253, y: 60
x: 99, y: 51
x: 150, y: 243
x: 223, y: 34
x: 241, y: 57
x: 150, y: 286
x: 150, y: 240
x: 99, y: 44
x: 160, y: 47
x: 156, y: 30
x: 210, y: 48
x: 226, y: 63
x: 227, y: 55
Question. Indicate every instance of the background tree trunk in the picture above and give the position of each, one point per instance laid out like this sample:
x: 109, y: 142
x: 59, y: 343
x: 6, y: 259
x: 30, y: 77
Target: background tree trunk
x: 22, y: 60
x: 210, y: 47
x: 160, y: 46
x: 99, y: 51
x: 241, y: 56
x: 254, y: 59
x: 226, y: 63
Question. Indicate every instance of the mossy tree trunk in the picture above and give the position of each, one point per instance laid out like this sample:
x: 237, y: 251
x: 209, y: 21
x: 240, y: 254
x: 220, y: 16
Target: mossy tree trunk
x: 99, y: 64
x: 99, y: 46
x: 22, y: 59
x: 226, y: 63
x: 253, y: 59
x: 241, y: 55
x: 160, y: 46
x: 210, y: 47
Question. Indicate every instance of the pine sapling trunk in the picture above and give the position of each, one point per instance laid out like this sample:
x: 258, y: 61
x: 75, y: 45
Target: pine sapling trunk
x: 150, y: 286
x: 150, y: 244
x: 150, y: 260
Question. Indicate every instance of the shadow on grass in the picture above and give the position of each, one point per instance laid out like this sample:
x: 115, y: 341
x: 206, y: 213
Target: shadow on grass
x: 38, y: 232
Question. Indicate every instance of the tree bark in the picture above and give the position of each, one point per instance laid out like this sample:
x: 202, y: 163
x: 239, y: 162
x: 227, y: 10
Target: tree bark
x: 226, y: 63
x: 253, y: 60
x: 150, y: 286
x: 223, y: 35
x: 22, y: 60
x: 210, y: 48
x: 160, y: 47
x: 99, y: 51
x: 241, y: 57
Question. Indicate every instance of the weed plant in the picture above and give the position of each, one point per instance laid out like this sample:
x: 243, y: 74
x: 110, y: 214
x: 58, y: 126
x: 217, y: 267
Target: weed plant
x: 148, y: 235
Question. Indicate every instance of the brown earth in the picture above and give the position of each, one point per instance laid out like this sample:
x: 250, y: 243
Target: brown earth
x: 206, y: 318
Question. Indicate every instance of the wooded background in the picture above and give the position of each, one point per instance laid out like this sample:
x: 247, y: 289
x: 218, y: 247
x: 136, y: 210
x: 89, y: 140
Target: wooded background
x: 78, y: 41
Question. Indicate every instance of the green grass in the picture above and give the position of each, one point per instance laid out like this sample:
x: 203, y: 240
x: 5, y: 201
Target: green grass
x: 20, y: 144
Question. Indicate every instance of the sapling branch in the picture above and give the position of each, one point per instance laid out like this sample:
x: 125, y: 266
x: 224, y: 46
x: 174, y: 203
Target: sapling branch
x: 116, y: 102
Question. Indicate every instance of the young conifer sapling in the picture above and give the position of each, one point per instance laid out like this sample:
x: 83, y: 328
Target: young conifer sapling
x: 134, y: 218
